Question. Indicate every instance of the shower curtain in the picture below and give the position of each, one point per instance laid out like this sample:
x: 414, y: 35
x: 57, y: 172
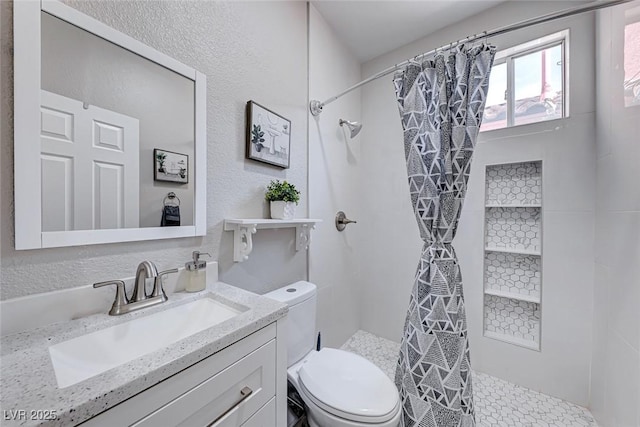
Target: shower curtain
x: 441, y: 102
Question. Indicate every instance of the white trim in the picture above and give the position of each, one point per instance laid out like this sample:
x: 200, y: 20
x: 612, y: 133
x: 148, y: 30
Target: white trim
x: 507, y: 56
x: 54, y: 239
x: 531, y: 345
x: 631, y: 14
x: 513, y: 251
x: 511, y: 92
x: 495, y: 205
x: 542, y: 221
x: 566, y: 59
x: 524, y: 160
x: 281, y: 371
x: 511, y: 295
x: 244, y: 229
x: 533, y: 45
x: 200, y: 213
x: 27, y: 179
x: 26, y: 134
x: 229, y: 224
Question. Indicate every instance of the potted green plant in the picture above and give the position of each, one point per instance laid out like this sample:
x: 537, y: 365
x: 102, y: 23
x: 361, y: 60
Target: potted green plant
x: 283, y: 198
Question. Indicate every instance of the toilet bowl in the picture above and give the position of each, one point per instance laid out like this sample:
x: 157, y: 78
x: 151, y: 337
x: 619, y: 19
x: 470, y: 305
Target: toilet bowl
x: 339, y: 388
x: 343, y: 389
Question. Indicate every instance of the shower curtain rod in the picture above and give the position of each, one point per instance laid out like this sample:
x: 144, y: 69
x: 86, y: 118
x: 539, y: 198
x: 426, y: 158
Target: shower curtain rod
x: 316, y: 106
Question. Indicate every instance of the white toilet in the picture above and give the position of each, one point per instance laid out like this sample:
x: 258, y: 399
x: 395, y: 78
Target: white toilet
x: 340, y: 389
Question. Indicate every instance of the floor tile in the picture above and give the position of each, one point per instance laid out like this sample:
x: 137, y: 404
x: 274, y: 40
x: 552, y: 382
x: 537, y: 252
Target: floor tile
x: 498, y: 403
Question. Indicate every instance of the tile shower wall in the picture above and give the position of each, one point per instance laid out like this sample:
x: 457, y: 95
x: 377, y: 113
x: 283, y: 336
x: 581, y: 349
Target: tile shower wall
x: 512, y: 273
x: 333, y: 183
x: 615, y: 379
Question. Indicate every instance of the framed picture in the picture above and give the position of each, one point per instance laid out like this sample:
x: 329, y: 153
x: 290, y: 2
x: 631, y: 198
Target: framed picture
x: 170, y: 166
x: 268, y: 136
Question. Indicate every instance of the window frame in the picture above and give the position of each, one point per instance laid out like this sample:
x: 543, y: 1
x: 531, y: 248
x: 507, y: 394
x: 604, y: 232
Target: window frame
x: 507, y: 56
x: 631, y: 16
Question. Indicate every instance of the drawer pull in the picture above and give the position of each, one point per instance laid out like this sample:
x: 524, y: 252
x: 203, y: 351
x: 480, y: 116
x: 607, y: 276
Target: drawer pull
x: 245, y: 393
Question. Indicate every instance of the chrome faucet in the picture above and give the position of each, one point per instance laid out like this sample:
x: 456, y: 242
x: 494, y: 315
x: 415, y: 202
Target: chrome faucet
x: 139, y: 299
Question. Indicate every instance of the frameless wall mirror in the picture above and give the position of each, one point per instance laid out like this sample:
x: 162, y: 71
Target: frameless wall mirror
x: 110, y: 134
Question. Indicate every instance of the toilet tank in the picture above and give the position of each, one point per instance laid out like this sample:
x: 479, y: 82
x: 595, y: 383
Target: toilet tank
x: 301, y: 319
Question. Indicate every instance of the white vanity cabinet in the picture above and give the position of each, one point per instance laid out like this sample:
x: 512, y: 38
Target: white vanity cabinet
x: 241, y: 385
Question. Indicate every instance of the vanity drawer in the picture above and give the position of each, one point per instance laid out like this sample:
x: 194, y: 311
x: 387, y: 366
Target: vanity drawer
x: 218, y: 401
x: 265, y: 417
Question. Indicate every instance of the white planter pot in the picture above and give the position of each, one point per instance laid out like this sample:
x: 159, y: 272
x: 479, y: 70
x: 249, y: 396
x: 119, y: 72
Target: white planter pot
x: 283, y: 210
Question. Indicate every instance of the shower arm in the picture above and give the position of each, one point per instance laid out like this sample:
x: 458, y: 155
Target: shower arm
x: 316, y: 106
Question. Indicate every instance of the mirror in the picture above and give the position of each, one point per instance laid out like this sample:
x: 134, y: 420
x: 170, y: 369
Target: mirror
x: 109, y: 136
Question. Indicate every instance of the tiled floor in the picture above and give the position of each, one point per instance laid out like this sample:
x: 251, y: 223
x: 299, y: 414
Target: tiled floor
x: 498, y: 402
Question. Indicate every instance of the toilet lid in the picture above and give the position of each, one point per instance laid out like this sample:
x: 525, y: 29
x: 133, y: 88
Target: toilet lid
x: 349, y: 386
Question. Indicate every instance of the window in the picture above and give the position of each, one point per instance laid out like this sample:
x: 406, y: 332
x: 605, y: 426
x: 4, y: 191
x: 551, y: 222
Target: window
x: 632, y: 58
x: 527, y: 84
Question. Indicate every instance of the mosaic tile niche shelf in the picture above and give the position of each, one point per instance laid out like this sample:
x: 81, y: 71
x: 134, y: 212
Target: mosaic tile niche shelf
x: 513, y: 230
x: 512, y: 275
x: 513, y: 253
x: 514, y: 184
x: 519, y: 320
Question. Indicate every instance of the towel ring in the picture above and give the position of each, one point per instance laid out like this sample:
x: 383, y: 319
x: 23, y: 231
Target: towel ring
x: 171, y: 199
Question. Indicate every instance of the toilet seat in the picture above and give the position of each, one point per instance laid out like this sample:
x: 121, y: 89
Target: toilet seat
x: 348, y: 386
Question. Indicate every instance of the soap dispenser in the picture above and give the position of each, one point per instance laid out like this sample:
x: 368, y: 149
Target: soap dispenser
x: 196, y: 273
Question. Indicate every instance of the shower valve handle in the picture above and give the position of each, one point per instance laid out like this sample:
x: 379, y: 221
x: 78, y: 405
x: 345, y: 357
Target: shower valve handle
x: 342, y: 221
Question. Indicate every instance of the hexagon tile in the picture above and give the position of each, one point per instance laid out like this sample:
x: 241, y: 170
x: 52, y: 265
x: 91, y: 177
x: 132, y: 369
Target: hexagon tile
x: 513, y: 273
x: 513, y: 318
x: 515, y: 184
x: 513, y: 228
x: 498, y: 403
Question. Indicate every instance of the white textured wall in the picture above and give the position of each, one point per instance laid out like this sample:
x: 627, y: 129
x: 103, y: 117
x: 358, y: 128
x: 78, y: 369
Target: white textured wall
x: 390, y: 253
x: 615, y: 380
x: 333, y: 183
x: 248, y: 50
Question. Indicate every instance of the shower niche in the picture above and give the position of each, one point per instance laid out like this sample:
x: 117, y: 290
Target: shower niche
x: 513, y: 253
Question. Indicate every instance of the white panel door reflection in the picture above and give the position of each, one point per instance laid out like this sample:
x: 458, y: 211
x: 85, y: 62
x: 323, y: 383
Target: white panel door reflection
x: 88, y: 154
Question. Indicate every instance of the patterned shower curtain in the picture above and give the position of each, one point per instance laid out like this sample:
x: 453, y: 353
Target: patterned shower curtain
x: 441, y: 103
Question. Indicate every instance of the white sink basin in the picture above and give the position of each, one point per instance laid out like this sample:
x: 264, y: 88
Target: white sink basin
x: 88, y: 355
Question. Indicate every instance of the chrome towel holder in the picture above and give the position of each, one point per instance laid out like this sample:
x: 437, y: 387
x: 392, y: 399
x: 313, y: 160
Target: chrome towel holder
x: 170, y: 199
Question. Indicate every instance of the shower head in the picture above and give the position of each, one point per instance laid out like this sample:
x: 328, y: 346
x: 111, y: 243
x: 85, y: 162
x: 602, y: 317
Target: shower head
x: 354, y: 127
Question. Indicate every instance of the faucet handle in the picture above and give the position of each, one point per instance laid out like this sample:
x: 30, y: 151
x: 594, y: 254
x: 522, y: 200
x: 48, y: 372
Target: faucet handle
x: 157, y: 283
x: 121, y: 296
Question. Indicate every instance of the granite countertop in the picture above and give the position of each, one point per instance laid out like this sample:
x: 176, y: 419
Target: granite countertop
x: 28, y: 382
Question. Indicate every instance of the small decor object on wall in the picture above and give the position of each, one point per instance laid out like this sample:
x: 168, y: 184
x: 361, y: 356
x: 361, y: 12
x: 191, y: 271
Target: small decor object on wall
x: 268, y: 136
x: 170, y: 166
x: 283, y: 198
x: 171, y: 211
